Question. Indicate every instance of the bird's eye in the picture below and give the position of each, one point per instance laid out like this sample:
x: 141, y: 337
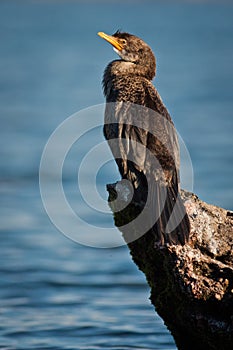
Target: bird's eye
x: 123, y: 41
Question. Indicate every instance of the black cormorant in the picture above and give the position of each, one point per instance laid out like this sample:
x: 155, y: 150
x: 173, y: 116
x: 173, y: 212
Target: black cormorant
x: 127, y: 86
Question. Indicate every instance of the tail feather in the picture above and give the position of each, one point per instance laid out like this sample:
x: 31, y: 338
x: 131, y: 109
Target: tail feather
x: 172, y: 223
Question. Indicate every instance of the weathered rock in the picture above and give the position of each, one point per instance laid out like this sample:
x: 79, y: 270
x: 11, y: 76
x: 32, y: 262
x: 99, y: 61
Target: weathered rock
x: 191, y: 285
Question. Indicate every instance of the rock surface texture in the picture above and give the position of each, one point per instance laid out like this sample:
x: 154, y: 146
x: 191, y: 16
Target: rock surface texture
x: 191, y: 285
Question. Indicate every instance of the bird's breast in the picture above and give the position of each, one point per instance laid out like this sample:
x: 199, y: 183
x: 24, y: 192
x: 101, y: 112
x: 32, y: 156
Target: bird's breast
x: 125, y: 89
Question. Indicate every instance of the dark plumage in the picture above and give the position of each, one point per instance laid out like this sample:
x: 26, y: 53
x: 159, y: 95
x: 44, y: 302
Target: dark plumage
x: 128, y: 80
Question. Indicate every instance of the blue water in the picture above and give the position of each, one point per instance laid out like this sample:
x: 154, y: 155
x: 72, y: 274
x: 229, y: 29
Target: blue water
x: 55, y: 293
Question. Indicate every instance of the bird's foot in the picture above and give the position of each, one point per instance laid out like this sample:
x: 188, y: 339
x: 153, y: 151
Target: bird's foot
x: 160, y: 245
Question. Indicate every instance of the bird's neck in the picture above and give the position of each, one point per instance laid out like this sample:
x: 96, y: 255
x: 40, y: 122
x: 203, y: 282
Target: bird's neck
x: 119, y: 68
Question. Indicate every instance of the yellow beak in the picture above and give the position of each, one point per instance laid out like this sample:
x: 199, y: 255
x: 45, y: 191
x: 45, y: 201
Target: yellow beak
x: 112, y: 40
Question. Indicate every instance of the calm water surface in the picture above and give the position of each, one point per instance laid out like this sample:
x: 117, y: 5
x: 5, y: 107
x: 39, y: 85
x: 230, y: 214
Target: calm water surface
x: 55, y: 293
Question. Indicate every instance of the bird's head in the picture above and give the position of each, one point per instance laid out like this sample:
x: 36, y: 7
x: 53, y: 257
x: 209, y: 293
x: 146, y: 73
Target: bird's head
x: 133, y: 49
